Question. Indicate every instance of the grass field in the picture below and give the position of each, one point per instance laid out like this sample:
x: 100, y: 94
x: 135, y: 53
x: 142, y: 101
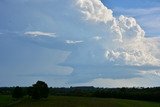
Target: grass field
x: 61, y: 101
x: 5, y: 99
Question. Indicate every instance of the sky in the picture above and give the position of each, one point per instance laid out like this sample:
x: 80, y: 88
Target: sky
x: 107, y: 43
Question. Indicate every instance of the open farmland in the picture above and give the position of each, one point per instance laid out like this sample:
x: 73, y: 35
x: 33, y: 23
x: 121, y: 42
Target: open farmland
x: 68, y: 101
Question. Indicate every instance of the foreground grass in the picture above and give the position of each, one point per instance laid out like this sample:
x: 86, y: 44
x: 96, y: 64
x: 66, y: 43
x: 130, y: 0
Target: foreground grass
x: 5, y: 99
x: 67, y: 101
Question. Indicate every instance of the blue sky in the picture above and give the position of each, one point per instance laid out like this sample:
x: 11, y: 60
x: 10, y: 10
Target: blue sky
x: 131, y: 4
x: 112, y: 43
x: 146, y: 12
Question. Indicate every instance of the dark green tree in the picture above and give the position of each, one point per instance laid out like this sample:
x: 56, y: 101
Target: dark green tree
x: 17, y: 92
x: 39, y: 90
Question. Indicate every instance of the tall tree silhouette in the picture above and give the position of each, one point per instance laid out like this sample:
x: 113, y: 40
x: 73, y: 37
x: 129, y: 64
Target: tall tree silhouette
x: 39, y: 90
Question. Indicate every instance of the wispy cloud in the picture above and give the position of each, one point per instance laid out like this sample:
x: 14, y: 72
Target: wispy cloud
x: 138, y: 11
x: 39, y: 33
x: 97, y: 38
x: 130, y: 82
x: 73, y: 42
x: 151, y: 22
x: 152, y: 72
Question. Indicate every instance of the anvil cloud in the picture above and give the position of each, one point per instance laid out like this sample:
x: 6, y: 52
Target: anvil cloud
x: 74, y: 42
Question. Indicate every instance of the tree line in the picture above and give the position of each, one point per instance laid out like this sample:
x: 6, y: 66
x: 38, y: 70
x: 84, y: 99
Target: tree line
x: 148, y: 94
x: 41, y: 90
x: 36, y: 91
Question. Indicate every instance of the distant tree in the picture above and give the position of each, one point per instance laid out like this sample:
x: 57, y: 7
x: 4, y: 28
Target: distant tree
x: 39, y: 90
x: 17, y: 92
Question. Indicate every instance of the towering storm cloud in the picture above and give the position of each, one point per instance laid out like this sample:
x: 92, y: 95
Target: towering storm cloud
x: 75, y: 42
x: 129, y: 45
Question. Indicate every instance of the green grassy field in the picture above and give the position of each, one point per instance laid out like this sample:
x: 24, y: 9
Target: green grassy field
x: 5, y: 99
x: 61, y: 101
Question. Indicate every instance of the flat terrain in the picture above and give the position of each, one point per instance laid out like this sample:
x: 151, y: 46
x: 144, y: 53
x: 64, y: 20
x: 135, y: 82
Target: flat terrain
x: 67, y: 101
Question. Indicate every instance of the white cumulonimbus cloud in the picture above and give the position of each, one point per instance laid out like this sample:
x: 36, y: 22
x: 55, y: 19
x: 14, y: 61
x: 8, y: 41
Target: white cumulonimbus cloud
x: 130, y: 46
x: 90, y: 45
